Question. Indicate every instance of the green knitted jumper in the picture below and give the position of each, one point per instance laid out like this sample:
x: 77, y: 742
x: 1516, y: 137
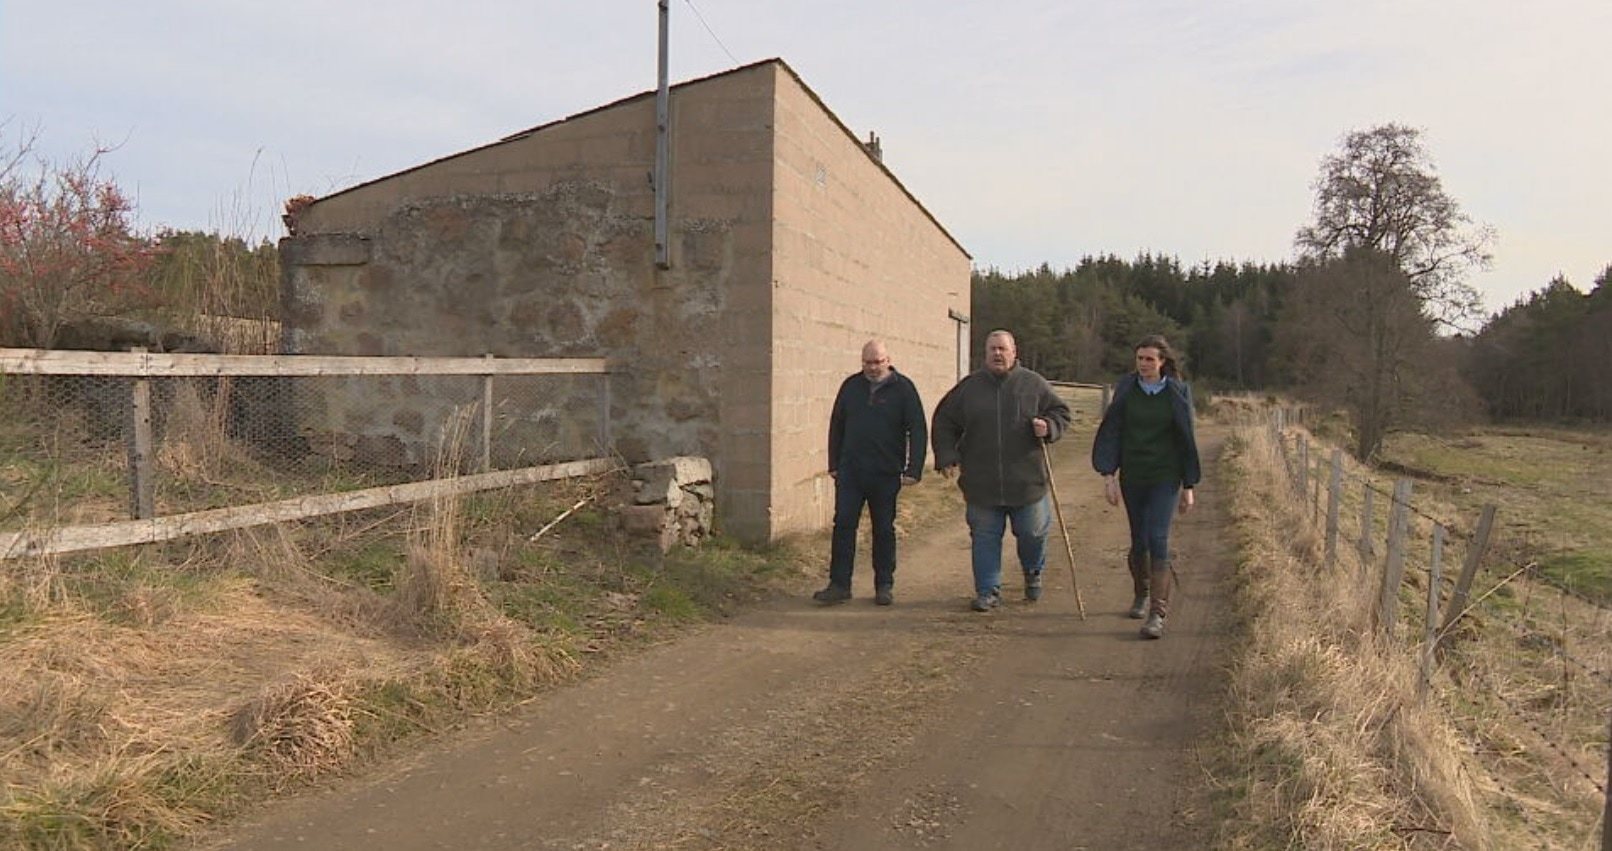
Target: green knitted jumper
x: 1148, y: 453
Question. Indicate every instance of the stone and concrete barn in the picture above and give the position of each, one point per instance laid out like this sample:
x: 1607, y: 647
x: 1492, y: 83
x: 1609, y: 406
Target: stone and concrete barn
x: 790, y: 244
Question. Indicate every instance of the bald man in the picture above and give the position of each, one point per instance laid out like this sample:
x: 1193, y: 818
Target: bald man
x: 877, y: 442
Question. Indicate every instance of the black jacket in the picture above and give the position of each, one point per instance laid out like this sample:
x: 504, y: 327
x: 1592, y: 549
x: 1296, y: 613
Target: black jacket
x: 983, y: 423
x: 878, y: 428
x: 1105, y: 448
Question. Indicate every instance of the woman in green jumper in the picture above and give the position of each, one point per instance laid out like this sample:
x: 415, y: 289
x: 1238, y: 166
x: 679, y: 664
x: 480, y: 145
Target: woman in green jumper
x: 1146, y: 439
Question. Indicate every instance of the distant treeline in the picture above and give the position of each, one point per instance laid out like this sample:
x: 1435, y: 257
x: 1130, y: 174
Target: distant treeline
x: 1541, y: 358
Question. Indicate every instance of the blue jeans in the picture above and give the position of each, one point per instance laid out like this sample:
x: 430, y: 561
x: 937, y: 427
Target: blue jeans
x: 986, y: 526
x: 1151, y: 509
x: 853, y: 489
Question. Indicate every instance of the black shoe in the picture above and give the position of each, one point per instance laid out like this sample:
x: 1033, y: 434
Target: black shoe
x: 883, y: 596
x: 832, y: 594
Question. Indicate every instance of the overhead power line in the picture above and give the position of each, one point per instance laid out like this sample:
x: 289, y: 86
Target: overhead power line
x: 712, y: 33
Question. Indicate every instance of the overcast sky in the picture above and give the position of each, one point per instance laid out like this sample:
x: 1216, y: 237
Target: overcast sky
x: 1035, y: 130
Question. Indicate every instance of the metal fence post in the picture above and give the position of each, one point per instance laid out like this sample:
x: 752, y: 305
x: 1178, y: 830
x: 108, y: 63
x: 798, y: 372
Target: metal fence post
x: 142, y: 489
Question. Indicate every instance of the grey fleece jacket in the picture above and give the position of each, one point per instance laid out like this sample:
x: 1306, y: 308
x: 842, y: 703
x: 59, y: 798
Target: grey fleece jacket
x: 983, y: 423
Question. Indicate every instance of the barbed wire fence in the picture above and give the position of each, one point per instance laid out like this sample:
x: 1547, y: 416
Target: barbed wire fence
x: 1496, y: 633
x: 106, y: 449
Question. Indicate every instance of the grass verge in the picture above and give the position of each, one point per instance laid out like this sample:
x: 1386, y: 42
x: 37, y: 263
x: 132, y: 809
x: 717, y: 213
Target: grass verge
x: 1328, y: 746
x: 146, y: 694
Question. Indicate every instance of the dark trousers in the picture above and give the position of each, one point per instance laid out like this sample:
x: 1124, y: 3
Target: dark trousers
x: 852, y: 490
x: 1150, y: 508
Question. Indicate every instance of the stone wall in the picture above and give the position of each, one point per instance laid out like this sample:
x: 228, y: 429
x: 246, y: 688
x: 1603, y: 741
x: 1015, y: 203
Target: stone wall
x: 559, y: 273
x: 674, y: 502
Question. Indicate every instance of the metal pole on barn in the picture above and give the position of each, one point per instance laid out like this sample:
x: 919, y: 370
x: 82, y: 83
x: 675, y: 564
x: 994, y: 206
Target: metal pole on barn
x: 663, y: 257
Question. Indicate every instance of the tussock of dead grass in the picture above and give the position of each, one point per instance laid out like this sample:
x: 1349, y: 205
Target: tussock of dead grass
x: 299, y: 729
x: 1330, y: 747
x: 194, y: 445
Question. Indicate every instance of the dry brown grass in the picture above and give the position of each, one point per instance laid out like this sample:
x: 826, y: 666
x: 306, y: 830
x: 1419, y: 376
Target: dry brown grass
x: 1329, y: 745
x: 299, y: 729
x: 145, y: 692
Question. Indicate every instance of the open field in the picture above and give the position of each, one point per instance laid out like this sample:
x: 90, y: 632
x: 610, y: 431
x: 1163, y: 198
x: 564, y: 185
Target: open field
x: 1553, y: 488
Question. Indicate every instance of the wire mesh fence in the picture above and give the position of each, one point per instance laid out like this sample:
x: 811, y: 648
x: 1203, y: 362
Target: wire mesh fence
x: 104, y: 438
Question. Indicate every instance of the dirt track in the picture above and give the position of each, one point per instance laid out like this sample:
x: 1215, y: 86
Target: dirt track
x: 923, y: 725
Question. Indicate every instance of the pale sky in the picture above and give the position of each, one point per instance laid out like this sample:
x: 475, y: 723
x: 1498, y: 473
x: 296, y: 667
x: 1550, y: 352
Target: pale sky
x: 1034, y: 130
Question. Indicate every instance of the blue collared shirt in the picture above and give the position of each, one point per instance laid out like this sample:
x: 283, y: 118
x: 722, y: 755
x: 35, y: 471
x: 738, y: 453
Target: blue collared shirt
x: 1152, y: 388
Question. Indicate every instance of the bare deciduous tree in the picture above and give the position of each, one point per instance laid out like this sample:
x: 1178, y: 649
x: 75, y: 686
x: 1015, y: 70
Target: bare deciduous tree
x: 1355, y: 336
x: 1380, y: 191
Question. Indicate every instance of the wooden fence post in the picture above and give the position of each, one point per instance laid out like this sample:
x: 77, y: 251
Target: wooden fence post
x: 142, y: 488
x: 604, y: 413
x: 1367, y: 514
x: 1334, y: 497
x: 487, y: 420
x: 1606, y: 814
x: 1475, y: 549
x: 1315, y: 488
x: 1394, y: 567
x: 1104, y: 404
x: 1301, y: 483
x: 1430, y: 623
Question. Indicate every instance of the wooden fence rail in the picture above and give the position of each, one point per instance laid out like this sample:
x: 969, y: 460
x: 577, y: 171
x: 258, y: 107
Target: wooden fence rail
x: 140, y: 367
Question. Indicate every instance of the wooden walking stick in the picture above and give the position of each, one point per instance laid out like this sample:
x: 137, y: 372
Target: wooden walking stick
x: 1046, y: 460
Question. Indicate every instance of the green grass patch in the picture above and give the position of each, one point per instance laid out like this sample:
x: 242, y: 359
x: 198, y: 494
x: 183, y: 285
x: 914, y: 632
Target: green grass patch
x: 125, y: 586
x: 1550, y: 488
x: 372, y: 563
x: 1587, y: 573
x: 671, y: 602
x: 550, y: 606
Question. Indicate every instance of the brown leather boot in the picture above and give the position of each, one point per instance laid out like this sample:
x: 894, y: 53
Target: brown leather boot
x: 1159, y: 607
x: 1138, y: 566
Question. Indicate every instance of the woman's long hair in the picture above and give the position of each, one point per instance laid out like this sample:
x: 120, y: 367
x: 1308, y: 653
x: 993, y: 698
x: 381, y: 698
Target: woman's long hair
x: 1167, y: 354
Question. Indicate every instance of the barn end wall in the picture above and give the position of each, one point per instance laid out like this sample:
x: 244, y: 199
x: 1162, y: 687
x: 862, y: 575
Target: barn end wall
x: 854, y: 258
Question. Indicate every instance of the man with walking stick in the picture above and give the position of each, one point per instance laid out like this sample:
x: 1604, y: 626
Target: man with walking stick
x: 988, y: 432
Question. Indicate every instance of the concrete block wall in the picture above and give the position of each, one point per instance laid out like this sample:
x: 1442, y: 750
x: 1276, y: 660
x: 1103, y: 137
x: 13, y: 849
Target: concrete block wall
x: 855, y: 257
